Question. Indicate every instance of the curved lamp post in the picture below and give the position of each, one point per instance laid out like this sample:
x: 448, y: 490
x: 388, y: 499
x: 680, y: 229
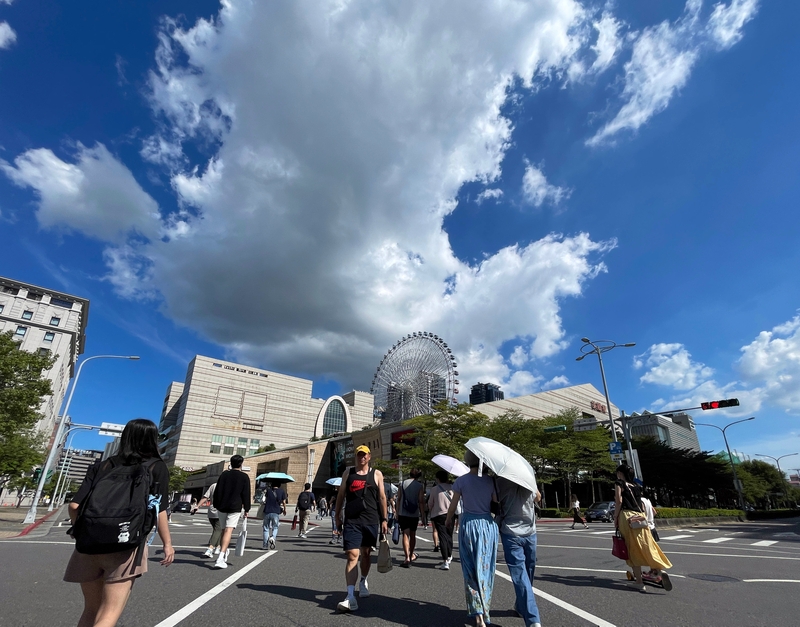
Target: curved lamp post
x: 778, y: 464
x: 598, y: 347
x: 730, y: 457
x: 30, y: 517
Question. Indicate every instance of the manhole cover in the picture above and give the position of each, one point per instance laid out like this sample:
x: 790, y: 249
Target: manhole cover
x: 714, y: 578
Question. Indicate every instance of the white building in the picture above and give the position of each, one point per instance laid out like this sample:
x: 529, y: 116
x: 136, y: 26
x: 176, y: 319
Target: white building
x: 224, y: 408
x: 46, y: 321
x: 675, y: 430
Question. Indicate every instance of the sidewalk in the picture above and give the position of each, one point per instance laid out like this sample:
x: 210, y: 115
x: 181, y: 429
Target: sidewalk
x: 11, y: 518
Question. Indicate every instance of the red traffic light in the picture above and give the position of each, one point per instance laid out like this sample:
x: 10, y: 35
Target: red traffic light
x: 731, y: 402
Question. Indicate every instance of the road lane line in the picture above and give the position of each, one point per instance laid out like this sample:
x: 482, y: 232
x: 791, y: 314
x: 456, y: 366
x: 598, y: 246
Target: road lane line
x: 596, y: 570
x: 200, y: 601
x: 671, y: 552
x: 717, y: 540
x: 595, y: 620
x: 599, y: 533
x: 681, y: 537
x: 772, y: 580
x: 423, y: 539
x: 765, y: 543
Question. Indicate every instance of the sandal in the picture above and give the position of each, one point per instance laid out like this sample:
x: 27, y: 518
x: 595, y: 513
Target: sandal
x: 414, y: 557
x: 405, y: 565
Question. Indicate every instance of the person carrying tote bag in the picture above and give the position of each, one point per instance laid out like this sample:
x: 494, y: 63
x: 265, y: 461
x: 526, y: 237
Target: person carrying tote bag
x: 241, y: 540
x: 642, y: 549
x: 384, y: 555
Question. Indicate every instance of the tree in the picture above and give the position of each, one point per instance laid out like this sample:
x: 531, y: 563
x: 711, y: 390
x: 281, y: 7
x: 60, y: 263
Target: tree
x: 177, y: 478
x: 760, y: 482
x: 22, y: 390
x: 269, y: 447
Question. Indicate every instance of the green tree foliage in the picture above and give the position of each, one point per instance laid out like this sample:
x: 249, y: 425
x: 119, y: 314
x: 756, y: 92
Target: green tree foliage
x: 22, y: 390
x: 444, y: 432
x: 268, y: 447
x: 763, y: 485
x: 177, y: 478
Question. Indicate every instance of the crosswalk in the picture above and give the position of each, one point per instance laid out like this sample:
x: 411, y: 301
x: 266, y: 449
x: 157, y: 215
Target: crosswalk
x: 694, y: 534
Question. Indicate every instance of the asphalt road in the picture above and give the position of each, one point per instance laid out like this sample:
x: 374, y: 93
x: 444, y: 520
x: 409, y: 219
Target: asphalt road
x: 734, y: 575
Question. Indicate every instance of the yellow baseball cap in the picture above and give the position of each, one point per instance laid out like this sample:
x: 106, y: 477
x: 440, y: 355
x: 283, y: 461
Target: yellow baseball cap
x: 362, y: 449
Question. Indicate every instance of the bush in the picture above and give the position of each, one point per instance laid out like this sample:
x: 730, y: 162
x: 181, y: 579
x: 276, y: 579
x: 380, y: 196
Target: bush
x: 762, y: 514
x: 683, y: 512
x: 554, y: 513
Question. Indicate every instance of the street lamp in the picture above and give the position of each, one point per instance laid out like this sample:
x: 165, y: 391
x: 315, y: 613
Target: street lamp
x: 30, y: 517
x: 778, y: 463
x: 599, y: 347
x: 730, y: 457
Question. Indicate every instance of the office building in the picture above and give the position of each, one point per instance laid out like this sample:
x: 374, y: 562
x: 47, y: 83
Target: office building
x: 224, y: 408
x: 74, y: 463
x: 485, y: 393
x: 47, y: 322
x: 674, y: 430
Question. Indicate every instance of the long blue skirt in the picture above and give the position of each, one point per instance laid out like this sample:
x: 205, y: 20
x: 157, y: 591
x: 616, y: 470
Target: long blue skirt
x: 477, y: 549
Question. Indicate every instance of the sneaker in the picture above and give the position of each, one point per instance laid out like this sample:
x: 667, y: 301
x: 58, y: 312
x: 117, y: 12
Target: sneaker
x: 363, y: 589
x: 227, y: 554
x: 209, y: 553
x: 443, y: 566
x: 333, y: 541
x: 272, y: 543
x: 220, y: 563
x: 216, y: 551
x: 302, y: 535
x: 348, y: 605
x: 666, y: 582
x: 435, y: 548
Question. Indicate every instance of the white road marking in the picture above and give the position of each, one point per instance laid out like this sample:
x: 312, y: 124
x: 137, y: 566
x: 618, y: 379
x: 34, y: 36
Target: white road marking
x: 772, y: 580
x: 200, y: 601
x: 599, y: 533
x: 423, y: 539
x: 717, y: 540
x: 671, y: 552
x: 595, y: 570
x: 765, y: 543
x: 680, y: 537
x: 595, y: 620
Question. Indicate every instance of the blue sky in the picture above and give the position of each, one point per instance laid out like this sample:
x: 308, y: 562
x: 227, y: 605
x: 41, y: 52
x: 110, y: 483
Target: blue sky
x: 297, y: 189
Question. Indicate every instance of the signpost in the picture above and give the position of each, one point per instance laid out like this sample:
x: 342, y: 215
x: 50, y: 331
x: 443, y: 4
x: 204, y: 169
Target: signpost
x: 111, y: 429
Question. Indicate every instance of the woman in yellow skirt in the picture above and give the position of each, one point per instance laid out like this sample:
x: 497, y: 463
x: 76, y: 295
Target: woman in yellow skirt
x: 629, y: 519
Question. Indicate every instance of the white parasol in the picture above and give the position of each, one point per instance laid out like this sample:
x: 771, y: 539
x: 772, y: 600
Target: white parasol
x: 451, y: 464
x: 504, y: 461
x: 334, y: 481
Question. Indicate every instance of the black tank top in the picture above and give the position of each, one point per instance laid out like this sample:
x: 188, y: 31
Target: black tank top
x: 631, y: 496
x: 362, y: 488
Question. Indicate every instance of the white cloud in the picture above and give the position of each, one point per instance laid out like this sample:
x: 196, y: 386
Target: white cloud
x: 7, y: 35
x: 608, y: 42
x: 663, y: 57
x: 519, y: 357
x: 556, y: 382
x: 671, y: 365
x: 537, y: 190
x: 521, y: 383
x: 96, y: 195
x: 495, y: 194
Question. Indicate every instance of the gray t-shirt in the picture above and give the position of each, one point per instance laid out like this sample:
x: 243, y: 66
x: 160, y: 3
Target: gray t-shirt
x: 519, y: 515
x: 409, y: 492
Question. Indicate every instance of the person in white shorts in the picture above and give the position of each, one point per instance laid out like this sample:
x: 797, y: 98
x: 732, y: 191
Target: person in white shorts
x: 231, y: 496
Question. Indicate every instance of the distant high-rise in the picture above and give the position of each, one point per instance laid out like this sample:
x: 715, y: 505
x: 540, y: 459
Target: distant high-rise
x: 485, y: 393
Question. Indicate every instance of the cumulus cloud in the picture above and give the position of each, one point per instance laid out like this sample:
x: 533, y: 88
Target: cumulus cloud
x: 608, y: 42
x: 495, y: 194
x: 96, y: 195
x: 663, y: 57
x: 671, y: 365
x: 537, y: 190
x: 7, y: 35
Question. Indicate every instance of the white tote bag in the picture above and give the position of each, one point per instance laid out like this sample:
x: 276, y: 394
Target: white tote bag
x: 241, y: 539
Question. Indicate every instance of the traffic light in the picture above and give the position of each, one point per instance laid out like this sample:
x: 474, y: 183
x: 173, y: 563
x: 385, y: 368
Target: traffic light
x: 731, y: 402
x: 556, y: 428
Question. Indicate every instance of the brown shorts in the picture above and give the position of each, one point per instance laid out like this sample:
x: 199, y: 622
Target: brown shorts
x: 110, y: 567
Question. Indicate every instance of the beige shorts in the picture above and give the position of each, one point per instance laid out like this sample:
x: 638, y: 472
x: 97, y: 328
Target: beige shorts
x: 229, y: 519
x: 110, y: 567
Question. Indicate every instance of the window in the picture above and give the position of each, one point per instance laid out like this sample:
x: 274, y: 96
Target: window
x: 334, y: 421
x: 34, y: 296
x: 1, y: 308
x: 58, y: 302
x: 229, y: 442
x: 49, y: 336
x: 216, y: 444
x: 55, y: 321
x: 27, y: 314
x: 241, y: 449
x: 254, y: 446
x: 44, y: 352
x: 21, y: 331
x: 10, y: 290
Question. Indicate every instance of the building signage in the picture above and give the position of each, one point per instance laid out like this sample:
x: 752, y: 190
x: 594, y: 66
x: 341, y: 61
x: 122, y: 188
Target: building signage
x: 235, y: 369
x: 342, y: 456
x: 598, y: 407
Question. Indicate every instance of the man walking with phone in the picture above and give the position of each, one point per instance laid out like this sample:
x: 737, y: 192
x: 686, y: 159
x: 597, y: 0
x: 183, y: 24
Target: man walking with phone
x: 231, y: 496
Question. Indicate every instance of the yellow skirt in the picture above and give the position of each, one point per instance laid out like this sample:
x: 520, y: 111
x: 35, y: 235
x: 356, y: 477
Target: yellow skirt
x: 643, y: 550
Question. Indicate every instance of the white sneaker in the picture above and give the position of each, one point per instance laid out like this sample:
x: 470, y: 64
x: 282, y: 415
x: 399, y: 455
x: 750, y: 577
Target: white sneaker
x: 227, y: 554
x: 220, y: 563
x: 216, y: 551
x: 348, y: 605
x: 272, y: 543
x: 363, y: 589
x: 209, y: 552
x: 443, y: 566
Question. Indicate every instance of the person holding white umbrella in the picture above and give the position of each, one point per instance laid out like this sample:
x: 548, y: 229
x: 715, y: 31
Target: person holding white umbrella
x: 477, y: 538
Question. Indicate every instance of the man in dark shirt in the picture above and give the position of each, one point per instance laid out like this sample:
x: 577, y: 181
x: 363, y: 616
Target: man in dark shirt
x: 274, y: 505
x: 231, y: 496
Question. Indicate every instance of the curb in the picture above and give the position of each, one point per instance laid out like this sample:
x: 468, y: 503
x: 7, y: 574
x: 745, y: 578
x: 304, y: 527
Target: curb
x: 33, y: 526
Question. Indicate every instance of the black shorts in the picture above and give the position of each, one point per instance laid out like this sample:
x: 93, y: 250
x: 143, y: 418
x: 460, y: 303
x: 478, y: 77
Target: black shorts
x: 408, y: 523
x: 356, y: 535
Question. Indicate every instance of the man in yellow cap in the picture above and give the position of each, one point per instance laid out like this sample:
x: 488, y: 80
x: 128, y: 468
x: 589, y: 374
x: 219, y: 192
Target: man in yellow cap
x: 364, y: 499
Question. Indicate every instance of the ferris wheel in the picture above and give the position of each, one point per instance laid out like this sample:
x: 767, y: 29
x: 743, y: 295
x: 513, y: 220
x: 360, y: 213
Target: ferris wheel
x: 416, y: 374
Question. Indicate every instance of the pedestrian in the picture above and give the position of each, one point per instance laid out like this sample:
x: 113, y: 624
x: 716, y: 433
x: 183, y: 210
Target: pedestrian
x: 107, y: 578
x: 362, y: 495
x: 275, y: 501
x: 306, y: 503
x: 410, y: 505
x: 477, y: 538
x: 517, y: 522
x: 630, y: 521
x: 576, y: 513
x: 322, y: 508
x: 231, y: 496
x: 438, y: 502
x: 213, y: 518
x: 650, y: 514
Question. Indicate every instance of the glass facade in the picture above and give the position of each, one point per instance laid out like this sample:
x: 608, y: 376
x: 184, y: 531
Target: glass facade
x: 229, y: 443
x: 216, y: 444
x: 335, y: 420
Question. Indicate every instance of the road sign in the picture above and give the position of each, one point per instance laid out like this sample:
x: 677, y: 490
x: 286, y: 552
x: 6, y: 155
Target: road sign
x: 555, y: 428
x: 111, y: 429
x: 617, y: 457
x: 615, y: 448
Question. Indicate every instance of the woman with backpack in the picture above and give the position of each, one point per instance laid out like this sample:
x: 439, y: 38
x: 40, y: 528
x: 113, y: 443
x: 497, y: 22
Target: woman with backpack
x: 135, y: 480
x: 438, y: 503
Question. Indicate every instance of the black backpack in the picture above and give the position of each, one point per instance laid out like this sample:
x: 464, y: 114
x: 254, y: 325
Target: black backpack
x: 304, y: 501
x: 118, y: 512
